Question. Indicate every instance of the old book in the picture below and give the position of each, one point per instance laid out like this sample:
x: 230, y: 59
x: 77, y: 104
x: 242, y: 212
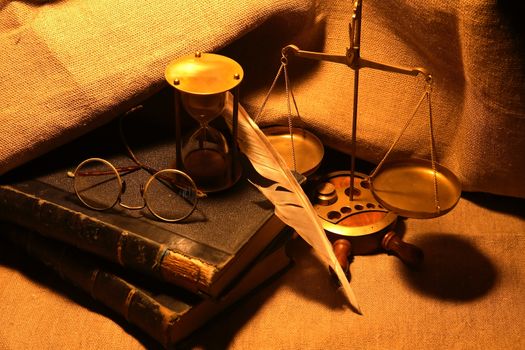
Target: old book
x: 165, y: 312
x: 203, y: 253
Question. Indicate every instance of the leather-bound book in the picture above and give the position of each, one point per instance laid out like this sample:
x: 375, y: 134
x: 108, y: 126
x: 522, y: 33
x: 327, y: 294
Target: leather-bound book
x: 164, y: 312
x: 202, y: 253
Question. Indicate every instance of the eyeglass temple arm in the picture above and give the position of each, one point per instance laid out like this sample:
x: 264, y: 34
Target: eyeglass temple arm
x: 125, y: 143
x: 149, y: 169
x: 120, y: 170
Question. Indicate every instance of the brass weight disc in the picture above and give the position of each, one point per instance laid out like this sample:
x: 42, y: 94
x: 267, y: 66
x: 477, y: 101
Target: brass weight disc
x: 361, y: 216
x: 407, y: 187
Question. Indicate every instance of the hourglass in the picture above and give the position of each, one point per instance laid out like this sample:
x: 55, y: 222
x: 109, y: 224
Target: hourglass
x: 201, y: 82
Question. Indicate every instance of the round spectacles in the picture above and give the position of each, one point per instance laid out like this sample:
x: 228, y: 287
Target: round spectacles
x: 169, y: 194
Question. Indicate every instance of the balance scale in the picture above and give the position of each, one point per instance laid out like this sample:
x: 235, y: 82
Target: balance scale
x: 358, y: 211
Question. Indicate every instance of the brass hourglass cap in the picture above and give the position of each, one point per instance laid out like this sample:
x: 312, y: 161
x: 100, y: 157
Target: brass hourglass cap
x: 204, y: 74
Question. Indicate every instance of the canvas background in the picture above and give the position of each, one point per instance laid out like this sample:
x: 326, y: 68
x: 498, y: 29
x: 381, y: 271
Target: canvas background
x: 69, y: 66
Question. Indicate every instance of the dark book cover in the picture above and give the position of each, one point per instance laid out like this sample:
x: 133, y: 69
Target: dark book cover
x: 165, y: 312
x: 204, y: 253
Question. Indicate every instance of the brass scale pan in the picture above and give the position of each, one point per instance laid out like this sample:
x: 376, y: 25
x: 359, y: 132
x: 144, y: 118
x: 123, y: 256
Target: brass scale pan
x: 411, y: 187
x: 414, y: 188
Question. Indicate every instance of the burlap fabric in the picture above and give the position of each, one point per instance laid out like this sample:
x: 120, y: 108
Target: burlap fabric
x: 474, y: 50
x: 69, y: 66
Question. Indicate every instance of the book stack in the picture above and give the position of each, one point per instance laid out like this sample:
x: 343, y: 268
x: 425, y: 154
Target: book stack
x: 166, y: 278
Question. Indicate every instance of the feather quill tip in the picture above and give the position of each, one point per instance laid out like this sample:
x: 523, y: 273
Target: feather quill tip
x: 350, y: 297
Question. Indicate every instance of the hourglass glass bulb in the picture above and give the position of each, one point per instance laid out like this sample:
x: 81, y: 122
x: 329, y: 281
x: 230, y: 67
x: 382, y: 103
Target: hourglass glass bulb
x: 202, y: 82
x: 204, y: 108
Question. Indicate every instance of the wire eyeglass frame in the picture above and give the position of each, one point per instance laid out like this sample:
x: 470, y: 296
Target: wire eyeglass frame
x: 163, y: 176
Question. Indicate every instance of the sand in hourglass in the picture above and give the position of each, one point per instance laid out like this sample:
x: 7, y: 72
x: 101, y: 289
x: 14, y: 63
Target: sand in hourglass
x: 207, y: 167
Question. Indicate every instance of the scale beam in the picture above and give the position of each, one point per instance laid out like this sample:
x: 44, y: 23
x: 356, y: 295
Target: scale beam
x: 353, y: 61
x: 292, y: 50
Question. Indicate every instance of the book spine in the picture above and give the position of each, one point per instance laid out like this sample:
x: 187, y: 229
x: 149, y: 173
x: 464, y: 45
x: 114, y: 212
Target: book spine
x: 105, y: 240
x: 76, y: 267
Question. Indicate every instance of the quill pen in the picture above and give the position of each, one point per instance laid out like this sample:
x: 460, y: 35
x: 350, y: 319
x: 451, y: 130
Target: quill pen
x: 292, y: 205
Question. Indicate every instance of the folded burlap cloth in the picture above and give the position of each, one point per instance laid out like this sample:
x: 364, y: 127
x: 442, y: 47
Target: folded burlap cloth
x: 70, y: 66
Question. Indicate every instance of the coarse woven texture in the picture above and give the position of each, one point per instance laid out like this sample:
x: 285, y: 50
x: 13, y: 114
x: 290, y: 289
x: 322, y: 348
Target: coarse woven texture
x: 468, y: 294
x: 475, y: 51
x: 69, y: 66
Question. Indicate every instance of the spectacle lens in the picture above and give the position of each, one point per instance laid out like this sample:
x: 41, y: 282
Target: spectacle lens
x: 171, y: 195
x: 97, y: 184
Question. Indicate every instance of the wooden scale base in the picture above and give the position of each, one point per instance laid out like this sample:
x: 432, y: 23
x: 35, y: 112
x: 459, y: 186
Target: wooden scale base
x: 359, y: 226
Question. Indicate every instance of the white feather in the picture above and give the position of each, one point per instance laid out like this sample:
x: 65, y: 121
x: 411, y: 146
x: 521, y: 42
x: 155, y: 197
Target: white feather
x: 292, y: 205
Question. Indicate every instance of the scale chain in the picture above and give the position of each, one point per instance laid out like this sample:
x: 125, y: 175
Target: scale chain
x: 399, y: 135
x: 426, y: 95
x: 289, y: 93
x: 432, y: 147
x: 290, y: 126
x: 269, y: 91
